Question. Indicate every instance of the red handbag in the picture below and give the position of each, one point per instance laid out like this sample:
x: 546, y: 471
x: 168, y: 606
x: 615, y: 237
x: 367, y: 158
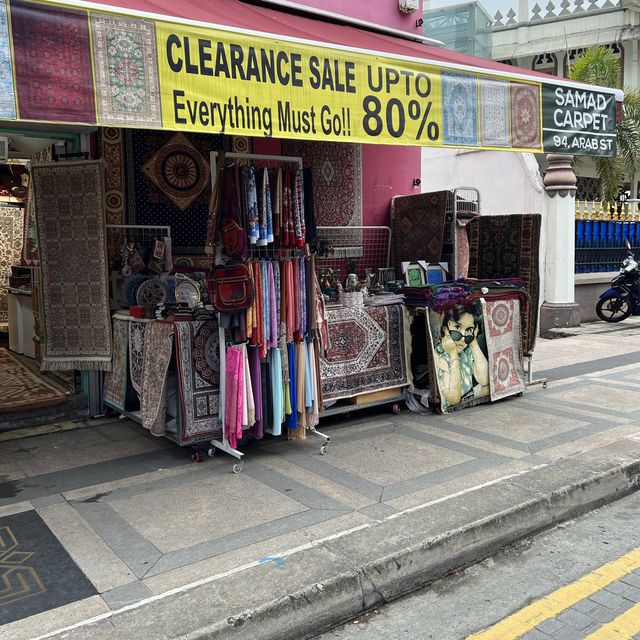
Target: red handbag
x: 233, y: 237
x: 231, y: 287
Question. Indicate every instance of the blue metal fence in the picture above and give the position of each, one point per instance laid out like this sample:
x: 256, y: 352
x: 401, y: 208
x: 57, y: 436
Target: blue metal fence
x: 600, y: 244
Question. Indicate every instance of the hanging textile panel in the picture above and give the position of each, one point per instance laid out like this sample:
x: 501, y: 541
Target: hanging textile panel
x: 7, y: 96
x: 418, y: 227
x: 502, y: 325
x: 367, y: 351
x: 115, y: 381
x: 198, y: 361
x: 52, y: 56
x: 69, y: 199
x: 168, y: 184
x: 508, y: 246
x: 336, y: 170
x: 11, y: 219
x: 136, y: 351
x: 458, y: 362
x: 126, y: 67
x: 21, y: 389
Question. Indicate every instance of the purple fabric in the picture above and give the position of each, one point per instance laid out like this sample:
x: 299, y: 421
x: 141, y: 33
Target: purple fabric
x: 256, y: 382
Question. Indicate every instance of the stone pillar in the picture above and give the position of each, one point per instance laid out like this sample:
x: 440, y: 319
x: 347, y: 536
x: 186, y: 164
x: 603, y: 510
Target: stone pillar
x: 523, y: 11
x: 559, y: 308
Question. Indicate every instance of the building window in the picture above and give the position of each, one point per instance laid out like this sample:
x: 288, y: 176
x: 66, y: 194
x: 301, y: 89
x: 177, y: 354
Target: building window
x: 545, y: 63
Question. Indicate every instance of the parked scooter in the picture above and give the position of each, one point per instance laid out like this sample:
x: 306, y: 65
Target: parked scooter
x: 623, y: 298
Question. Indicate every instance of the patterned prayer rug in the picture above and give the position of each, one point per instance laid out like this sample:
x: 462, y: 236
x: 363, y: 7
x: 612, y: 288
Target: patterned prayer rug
x: 30, y: 256
x: 494, y: 112
x: 126, y: 67
x: 502, y: 325
x: 7, y: 93
x: 11, y: 219
x: 198, y: 360
x: 69, y: 198
x: 454, y: 386
x: 336, y: 171
x: 136, y: 351
x: 525, y: 116
x: 158, y: 342
x: 38, y: 574
x: 62, y: 91
x: 115, y: 381
x: 459, y: 109
x: 417, y: 227
x: 367, y: 351
x: 147, y: 203
x: 21, y: 388
x: 508, y: 246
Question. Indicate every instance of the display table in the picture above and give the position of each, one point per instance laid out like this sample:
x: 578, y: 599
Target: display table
x: 21, y: 323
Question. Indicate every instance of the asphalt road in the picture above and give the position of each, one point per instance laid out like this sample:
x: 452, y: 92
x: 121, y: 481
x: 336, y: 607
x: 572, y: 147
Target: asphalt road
x: 480, y: 596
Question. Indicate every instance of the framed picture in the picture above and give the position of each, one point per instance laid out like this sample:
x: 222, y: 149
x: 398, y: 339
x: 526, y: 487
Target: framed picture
x: 414, y: 274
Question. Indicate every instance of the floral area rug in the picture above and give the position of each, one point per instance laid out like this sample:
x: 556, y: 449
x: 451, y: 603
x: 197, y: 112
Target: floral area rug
x: 69, y: 198
x: 115, y: 381
x: 198, y: 360
x: 136, y: 351
x: 22, y: 389
x: 367, y: 351
x: 11, y: 219
x: 155, y: 363
x: 502, y: 327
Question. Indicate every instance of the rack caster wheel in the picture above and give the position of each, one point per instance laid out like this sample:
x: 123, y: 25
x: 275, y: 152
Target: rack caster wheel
x: 323, y: 450
x: 237, y: 467
x: 211, y: 452
x: 196, y: 457
x: 395, y: 409
x: 544, y: 385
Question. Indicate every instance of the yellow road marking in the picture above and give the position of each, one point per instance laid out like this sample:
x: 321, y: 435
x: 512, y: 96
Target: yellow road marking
x: 624, y: 626
x: 550, y: 606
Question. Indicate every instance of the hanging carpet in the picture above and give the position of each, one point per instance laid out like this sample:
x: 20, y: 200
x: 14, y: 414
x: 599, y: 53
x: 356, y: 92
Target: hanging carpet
x: 136, y: 351
x: 367, y: 351
x: 69, y: 199
x: 21, y: 388
x: 115, y: 381
x: 502, y: 327
x: 508, y: 246
x: 418, y: 227
x: 157, y: 355
x: 198, y: 360
x: 11, y: 219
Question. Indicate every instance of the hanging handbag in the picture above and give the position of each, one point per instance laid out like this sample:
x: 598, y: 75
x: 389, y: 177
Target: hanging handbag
x: 231, y: 287
x: 233, y: 238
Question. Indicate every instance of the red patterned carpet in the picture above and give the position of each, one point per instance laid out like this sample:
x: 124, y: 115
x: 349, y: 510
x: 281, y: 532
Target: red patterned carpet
x: 22, y: 389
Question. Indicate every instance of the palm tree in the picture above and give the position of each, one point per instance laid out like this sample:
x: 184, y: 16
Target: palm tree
x: 599, y: 66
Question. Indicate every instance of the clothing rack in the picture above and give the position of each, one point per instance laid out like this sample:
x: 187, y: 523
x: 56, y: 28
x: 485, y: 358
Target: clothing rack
x: 224, y: 444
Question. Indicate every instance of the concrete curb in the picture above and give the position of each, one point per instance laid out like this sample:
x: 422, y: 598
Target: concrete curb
x: 330, y: 583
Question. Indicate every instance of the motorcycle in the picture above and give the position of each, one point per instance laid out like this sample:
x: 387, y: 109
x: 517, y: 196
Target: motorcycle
x: 623, y: 298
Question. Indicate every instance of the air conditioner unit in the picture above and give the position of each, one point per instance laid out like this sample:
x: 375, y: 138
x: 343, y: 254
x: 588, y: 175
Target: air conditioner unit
x: 4, y: 149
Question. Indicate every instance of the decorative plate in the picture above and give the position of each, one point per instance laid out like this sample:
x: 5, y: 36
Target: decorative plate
x: 128, y: 286
x: 188, y: 291
x: 152, y: 291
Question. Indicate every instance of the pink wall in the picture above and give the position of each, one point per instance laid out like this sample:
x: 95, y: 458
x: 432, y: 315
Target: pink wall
x: 384, y: 12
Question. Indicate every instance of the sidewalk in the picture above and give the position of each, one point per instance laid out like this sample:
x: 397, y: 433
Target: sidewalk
x: 102, y: 522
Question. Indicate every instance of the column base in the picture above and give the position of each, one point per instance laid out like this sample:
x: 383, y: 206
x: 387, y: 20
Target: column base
x: 555, y: 315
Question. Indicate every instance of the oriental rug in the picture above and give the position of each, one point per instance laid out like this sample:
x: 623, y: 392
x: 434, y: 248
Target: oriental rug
x: 459, y: 109
x: 62, y: 91
x: 115, y: 381
x: 126, y: 68
x: 69, y: 199
x: 336, y: 172
x: 502, y: 326
x: 21, y: 388
x: 367, y: 351
x: 137, y: 330
x: 494, y: 113
x: 38, y: 574
x: 158, y: 342
x: 7, y: 92
x: 198, y: 360
x: 11, y: 219
x: 417, y: 227
x: 148, y: 203
x: 525, y: 118
x: 508, y: 246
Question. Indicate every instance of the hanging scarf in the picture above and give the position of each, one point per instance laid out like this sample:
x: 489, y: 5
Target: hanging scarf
x: 252, y: 207
x: 233, y: 396
x: 292, y: 419
x: 287, y: 238
x: 291, y: 301
x: 256, y: 385
x: 297, y: 298
x: 276, y: 202
x: 303, y: 298
x: 248, y: 388
x: 273, y: 311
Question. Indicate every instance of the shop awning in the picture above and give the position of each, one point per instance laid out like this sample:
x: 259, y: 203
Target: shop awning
x: 225, y: 66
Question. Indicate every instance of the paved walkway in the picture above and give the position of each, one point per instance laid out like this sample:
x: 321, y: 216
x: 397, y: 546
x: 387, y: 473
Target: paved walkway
x: 147, y: 527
